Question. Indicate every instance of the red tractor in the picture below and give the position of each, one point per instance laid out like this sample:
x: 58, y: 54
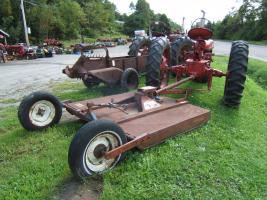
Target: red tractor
x: 190, y: 58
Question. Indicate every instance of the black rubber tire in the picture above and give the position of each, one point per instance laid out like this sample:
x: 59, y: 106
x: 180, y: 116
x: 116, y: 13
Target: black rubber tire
x: 91, y: 81
x: 29, y: 101
x: 177, y: 47
x: 130, y: 79
x: 136, y: 45
x: 236, y: 76
x: 157, y: 48
x: 81, y: 140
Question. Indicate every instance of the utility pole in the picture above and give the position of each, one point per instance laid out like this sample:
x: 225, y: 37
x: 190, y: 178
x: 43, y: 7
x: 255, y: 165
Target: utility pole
x: 183, y: 25
x: 24, y: 23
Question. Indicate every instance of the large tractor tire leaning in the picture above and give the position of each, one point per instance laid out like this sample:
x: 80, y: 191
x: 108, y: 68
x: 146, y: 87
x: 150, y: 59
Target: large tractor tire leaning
x: 130, y: 79
x: 157, y: 49
x: 137, y: 46
x: 177, y: 49
x: 236, y: 76
x: 39, y: 111
x: 88, y: 147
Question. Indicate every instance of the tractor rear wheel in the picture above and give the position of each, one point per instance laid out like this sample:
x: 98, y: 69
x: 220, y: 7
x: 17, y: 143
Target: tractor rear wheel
x: 236, y: 75
x: 157, y: 49
x: 138, y: 46
x: 88, y: 147
x: 178, y: 49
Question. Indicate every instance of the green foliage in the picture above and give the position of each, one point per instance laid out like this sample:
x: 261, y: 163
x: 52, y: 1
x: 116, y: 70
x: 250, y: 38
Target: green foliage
x: 249, y: 22
x: 140, y: 19
x: 62, y: 19
x: 99, y: 18
x: 258, y: 71
x: 143, y: 17
x: 71, y: 19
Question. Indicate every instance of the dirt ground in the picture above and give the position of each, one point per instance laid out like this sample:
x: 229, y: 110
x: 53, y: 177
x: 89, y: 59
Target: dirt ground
x: 74, y: 190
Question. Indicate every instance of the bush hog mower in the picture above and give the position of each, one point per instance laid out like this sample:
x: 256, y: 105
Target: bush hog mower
x: 121, y: 71
x: 141, y: 119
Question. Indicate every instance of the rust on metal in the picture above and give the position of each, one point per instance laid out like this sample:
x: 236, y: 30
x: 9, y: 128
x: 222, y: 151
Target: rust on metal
x: 99, y: 67
x: 144, y: 127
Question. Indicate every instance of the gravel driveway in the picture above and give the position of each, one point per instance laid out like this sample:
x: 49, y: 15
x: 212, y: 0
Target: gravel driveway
x: 19, y: 78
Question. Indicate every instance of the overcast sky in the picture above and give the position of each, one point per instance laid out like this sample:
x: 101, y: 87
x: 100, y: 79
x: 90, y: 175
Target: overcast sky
x: 190, y: 9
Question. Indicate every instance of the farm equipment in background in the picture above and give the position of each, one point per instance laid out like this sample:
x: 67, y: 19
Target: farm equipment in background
x: 20, y: 51
x: 94, y: 70
x: 51, y: 46
x: 52, y: 42
x: 45, y: 52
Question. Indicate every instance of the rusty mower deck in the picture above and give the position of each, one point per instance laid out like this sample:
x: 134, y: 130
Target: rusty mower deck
x: 115, y: 124
x: 143, y: 124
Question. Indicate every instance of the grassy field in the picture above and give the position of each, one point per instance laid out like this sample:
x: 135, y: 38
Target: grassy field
x: 225, y: 159
x: 68, y: 43
x: 263, y: 42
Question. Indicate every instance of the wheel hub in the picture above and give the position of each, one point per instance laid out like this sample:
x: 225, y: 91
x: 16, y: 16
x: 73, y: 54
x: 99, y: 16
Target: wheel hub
x: 94, y: 158
x: 100, y: 151
x: 42, y: 113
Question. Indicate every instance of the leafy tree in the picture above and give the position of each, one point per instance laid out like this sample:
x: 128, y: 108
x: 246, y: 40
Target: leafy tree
x: 249, y: 22
x: 140, y: 19
x: 99, y: 17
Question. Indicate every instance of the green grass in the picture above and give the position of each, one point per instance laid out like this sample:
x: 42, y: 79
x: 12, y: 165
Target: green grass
x: 263, y: 42
x: 258, y: 71
x: 225, y: 159
x: 8, y: 101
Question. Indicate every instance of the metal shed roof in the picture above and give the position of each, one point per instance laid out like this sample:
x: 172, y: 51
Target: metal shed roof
x: 4, y: 33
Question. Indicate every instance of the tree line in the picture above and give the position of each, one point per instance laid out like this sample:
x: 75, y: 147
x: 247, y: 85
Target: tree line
x: 71, y: 19
x: 249, y: 22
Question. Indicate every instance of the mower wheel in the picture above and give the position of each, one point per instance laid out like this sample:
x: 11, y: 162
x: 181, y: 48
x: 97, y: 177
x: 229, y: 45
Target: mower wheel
x: 137, y: 46
x: 178, y: 48
x: 39, y: 111
x: 236, y: 75
x: 90, y: 82
x: 157, y: 49
x: 87, y: 149
x: 130, y: 79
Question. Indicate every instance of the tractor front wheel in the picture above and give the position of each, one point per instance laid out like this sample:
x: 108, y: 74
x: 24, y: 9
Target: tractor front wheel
x: 89, y: 145
x: 236, y: 75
